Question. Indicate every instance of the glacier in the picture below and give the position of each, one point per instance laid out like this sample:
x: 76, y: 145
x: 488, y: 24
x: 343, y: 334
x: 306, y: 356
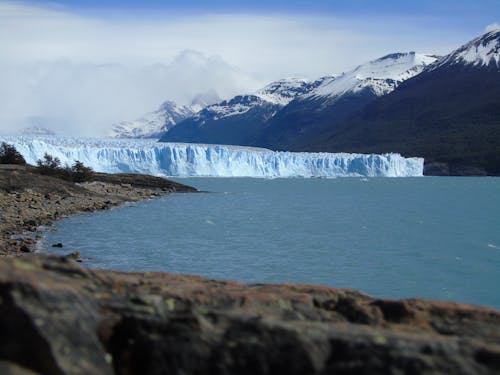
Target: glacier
x: 189, y: 160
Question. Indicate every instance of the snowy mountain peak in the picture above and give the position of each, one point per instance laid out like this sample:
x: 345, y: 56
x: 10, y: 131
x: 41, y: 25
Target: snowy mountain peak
x: 152, y: 124
x: 284, y: 91
x: 396, y: 66
x: 276, y: 94
x: 380, y: 76
x: 483, y: 51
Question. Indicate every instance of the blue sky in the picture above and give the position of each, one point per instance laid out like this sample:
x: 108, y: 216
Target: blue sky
x: 467, y: 14
x: 443, y: 23
x: 101, y: 61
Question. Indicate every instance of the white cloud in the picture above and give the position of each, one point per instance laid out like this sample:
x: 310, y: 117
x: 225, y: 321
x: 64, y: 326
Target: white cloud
x: 85, y: 99
x: 82, y: 73
x: 492, y: 27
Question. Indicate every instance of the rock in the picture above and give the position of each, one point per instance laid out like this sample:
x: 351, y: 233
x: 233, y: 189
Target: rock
x: 25, y: 249
x: 9, y: 368
x: 59, y: 244
x: 31, y: 222
x: 75, y: 256
x: 59, y: 318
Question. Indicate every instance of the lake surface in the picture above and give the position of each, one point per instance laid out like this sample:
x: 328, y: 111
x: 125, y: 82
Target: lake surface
x: 431, y: 237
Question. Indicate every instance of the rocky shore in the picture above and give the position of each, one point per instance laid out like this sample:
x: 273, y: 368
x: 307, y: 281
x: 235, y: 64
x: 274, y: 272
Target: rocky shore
x: 57, y: 317
x: 28, y: 200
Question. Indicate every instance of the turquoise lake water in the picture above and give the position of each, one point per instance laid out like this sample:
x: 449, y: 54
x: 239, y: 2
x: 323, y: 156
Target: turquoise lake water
x: 431, y: 237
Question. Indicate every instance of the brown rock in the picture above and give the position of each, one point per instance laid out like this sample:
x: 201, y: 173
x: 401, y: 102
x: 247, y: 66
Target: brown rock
x: 59, y: 318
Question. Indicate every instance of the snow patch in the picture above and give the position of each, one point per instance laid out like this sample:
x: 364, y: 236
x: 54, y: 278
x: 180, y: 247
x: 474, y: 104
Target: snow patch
x: 284, y: 91
x: 381, y: 76
x: 481, y: 51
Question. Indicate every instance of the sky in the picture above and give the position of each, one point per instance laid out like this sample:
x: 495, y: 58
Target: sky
x: 79, y: 66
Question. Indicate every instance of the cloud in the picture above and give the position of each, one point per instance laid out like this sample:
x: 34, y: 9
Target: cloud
x: 492, y: 27
x: 85, y: 99
x: 79, y: 74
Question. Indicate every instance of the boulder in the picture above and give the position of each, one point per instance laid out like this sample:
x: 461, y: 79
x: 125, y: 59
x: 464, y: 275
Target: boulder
x: 57, y: 317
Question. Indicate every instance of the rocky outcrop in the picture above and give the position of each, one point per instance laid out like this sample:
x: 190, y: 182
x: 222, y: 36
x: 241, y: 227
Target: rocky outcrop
x: 57, y: 317
x: 28, y: 200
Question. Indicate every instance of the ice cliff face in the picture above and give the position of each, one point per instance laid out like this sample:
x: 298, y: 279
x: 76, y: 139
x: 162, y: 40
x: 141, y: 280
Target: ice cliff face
x: 183, y: 160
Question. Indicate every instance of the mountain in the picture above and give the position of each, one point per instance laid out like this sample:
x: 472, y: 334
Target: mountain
x: 449, y: 114
x: 239, y: 120
x: 336, y: 97
x: 38, y: 131
x: 154, y: 124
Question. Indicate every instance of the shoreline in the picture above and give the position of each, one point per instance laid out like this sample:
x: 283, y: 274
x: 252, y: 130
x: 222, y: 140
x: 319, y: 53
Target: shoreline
x: 29, y: 200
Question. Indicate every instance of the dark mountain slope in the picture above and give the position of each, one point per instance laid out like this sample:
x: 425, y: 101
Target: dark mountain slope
x: 304, y: 119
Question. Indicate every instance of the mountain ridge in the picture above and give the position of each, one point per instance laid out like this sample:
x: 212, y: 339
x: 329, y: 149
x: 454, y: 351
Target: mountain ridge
x: 240, y: 119
x: 449, y: 114
x: 335, y: 99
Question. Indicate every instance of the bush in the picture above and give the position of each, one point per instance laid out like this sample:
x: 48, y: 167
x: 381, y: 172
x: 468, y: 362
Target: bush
x: 51, y: 166
x: 49, y: 162
x: 9, y: 155
x: 81, y: 173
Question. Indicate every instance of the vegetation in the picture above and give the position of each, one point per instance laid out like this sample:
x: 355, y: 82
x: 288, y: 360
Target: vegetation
x: 9, y: 155
x: 51, y: 166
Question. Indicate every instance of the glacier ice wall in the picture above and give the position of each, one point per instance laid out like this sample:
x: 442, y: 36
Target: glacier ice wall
x: 183, y: 160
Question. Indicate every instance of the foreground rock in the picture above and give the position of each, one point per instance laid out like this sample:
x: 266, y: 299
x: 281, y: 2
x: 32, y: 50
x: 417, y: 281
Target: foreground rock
x: 59, y: 318
x: 28, y: 200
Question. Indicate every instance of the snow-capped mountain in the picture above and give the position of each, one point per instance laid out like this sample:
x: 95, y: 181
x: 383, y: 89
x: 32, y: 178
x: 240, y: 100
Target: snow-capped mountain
x: 449, y: 114
x: 332, y: 99
x: 278, y: 93
x: 238, y: 120
x: 483, y: 51
x: 380, y: 76
x: 153, y: 124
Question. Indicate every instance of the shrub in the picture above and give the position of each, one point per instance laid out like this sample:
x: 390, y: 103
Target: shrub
x: 51, y: 165
x: 81, y: 173
x: 49, y: 162
x: 9, y: 155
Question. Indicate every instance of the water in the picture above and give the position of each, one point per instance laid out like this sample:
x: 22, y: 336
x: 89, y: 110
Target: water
x: 435, y: 238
